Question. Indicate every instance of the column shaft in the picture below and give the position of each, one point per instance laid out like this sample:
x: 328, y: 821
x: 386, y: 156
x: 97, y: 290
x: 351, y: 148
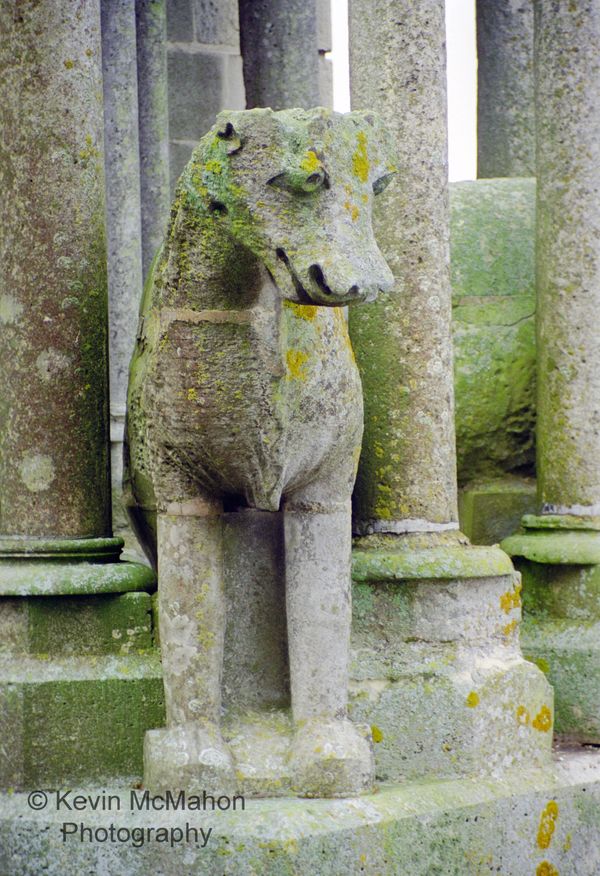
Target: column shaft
x: 280, y: 52
x: 54, y: 471
x: 151, y: 28
x: 505, y: 88
x: 568, y: 256
x: 403, y: 345
x: 123, y: 211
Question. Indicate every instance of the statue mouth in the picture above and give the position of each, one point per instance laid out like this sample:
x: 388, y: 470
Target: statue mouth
x: 321, y: 294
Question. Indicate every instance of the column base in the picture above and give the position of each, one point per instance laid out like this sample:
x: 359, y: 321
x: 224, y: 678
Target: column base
x: 436, y: 665
x: 559, y: 560
x: 77, y: 660
x: 52, y: 566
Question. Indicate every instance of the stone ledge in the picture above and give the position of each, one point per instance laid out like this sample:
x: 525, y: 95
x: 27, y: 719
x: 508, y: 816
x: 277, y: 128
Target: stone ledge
x: 538, y: 822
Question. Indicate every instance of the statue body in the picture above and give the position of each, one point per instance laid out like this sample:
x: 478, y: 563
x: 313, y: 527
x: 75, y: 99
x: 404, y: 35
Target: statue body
x: 244, y: 391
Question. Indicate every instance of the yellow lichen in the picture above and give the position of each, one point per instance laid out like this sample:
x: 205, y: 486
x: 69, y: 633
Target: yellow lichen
x: 296, y: 363
x: 303, y: 311
x: 69, y: 64
x: 543, y: 720
x: 310, y: 163
x: 509, y: 629
x: 192, y: 394
x: 213, y: 166
x: 523, y: 715
x: 546, y: 869
x: 360, y: 159
x: 511, y: 599
x: 376, y: 733
x: 547, y: 824
x: 472, y: 699
x: 568, y: 842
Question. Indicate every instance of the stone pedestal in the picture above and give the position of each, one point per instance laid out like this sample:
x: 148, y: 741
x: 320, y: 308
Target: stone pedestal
x: 558, y: 550
x: 55, y: 511
x: 455, y: 606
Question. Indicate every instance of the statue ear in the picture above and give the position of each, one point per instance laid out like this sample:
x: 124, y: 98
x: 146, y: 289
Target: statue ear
x: 234, y: 142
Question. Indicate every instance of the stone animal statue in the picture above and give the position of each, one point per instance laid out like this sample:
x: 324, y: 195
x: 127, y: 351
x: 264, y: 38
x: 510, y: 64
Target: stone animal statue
x: 243, y: 388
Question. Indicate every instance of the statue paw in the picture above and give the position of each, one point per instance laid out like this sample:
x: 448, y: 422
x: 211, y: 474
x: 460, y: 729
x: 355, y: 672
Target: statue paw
x: 189, y: 757
x: 332, y: 758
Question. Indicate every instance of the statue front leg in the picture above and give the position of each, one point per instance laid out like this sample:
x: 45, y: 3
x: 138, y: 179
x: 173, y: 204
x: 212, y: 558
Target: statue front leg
x: 189, y: 754
x: 331, y: 756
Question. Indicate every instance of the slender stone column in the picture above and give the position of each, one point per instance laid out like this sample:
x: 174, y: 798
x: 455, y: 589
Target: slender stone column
x: 151, y: 30
x: 559, y: 550
x: 407, y: 475
x: 54, y: 467
x: 455, y: 606
x: 505, y: 88
x: 123, y: 215
x: 280, y: 51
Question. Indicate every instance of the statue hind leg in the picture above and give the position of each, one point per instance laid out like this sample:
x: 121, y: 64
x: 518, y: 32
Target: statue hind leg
x: 189, y: 754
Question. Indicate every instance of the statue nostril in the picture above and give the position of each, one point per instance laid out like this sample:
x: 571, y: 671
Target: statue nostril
x: 354, y: 291
x: 316, y: 274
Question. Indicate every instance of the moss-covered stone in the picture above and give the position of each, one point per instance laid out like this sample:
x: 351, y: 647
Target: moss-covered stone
x: 492, y: 266
x: 491, y: 510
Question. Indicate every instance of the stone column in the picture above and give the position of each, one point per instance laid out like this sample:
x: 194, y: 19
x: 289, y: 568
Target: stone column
x: 54, y: 465
x: 505, y: 88
x: 151, y: 33
x: 280, y: 51
x: 454, y: 624
x: 55, y: 520
x: 123, y: 216
x: 560, y: 548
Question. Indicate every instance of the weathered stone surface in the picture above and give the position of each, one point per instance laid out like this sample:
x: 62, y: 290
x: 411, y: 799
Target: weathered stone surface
x: 60, y: 717
x: 217, y: 22
x: 403, y: 344
x: 73, y: 671
x: 196, y: 86
x: 492, y: 244
x: 533, y: 821
x: 560, y: 633
x: 180, y: 22
x: 244, y: 390
x: 437, y: 672
x: 153, y: 124
x: 123, y: 225
x: 53, y: 428
x: 568, y: 250
x: 492, y: 510
x: 505, y: 89
x: 280, y: 51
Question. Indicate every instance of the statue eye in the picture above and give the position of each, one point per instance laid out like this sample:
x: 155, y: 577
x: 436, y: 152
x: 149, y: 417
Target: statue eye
x: 316, y: 180
x: 383, y: 182
x: 300, y: 181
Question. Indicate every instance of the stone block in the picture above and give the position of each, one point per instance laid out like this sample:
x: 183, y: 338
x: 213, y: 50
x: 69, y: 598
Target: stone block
x: 492, y: 269
x: 60, y: 626
x: 491, y: 511
x: 540, y: 822
x: 217, y: 22
x: 179, y: 155
x: 76, y: 719
x: 196, y: 88
x: 180, y: 23
x: 561, y: 634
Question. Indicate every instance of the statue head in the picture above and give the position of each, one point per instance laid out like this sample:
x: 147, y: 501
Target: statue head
x: 296, y: 188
